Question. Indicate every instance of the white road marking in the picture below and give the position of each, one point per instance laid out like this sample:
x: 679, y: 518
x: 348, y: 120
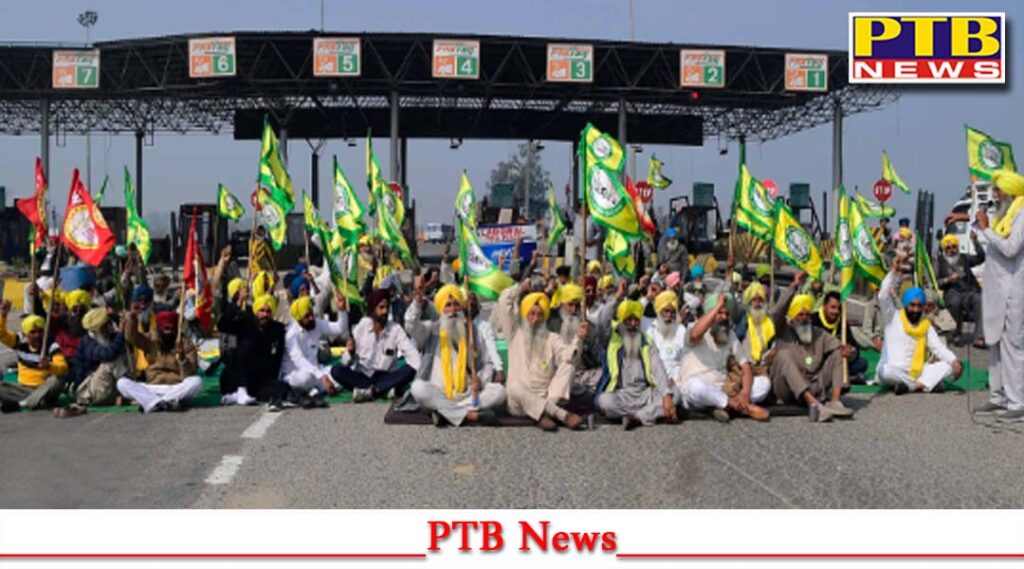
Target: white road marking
x: 226, y: 470
x: 259, y: 428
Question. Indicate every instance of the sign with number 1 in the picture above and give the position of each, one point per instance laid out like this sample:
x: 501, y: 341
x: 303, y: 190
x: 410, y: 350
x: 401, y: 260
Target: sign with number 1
x: 806, y: 72
x: 211, y: 57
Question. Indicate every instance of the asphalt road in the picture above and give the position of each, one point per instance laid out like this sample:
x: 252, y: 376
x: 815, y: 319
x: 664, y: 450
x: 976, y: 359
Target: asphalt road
x: 915, y: 451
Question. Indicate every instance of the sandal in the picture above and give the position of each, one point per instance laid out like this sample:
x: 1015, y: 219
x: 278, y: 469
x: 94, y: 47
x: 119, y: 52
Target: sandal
x: 69, y: 411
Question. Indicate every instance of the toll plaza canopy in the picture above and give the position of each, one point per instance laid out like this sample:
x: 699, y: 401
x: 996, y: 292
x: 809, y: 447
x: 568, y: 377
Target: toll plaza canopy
x: 445, y: 86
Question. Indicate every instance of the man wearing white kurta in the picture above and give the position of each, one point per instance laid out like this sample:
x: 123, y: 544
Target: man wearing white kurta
x: 539, y: 362
x: 300, y: 368
x: 909, y: 340
x: 666, y: 334
x: 1002, y: 297
x: 712, y: 348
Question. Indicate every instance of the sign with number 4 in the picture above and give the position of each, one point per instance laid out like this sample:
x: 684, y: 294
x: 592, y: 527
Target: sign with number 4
x: 456, y: 59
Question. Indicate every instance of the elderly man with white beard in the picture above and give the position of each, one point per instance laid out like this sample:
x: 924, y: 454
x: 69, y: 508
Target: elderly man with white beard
x: 808, y: 362
x: 539, y: 363
x: 444, y: 382
x: 712, y: 354
x: 760, y: 335
x: 634, y: 387
x: 567, y: 314
x: 1002, y: 297
x: 667, y: 335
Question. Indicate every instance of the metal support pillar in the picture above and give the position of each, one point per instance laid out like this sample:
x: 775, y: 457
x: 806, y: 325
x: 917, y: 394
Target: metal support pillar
x: 138, y: 170
x: 314, y: 176
x: 837, y: 151
x: 622, y: 129
x: 393, y: 124
x: 44, y: 136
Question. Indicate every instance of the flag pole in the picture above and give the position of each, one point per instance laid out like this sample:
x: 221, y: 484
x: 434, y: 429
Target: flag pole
x: 474, y: 380
x: 53, y: 298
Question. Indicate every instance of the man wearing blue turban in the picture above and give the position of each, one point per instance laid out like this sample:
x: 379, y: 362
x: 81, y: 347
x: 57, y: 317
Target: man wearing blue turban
x: 911, y: 342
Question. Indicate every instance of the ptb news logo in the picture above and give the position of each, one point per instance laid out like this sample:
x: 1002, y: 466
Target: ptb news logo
x: 927, y: 47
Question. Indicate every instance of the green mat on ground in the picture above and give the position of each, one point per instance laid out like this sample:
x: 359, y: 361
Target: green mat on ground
x: 978, y: 378
x: 209, y: 395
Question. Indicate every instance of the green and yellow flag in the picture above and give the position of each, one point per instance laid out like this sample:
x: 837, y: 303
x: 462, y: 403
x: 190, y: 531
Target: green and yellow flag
x: 792, y: 242
x: 986, y: 156
x: 311, y: 217
x: 348, y: 209
x: 556, y: 225
x: 842, y: 256
x: 655, y: 178
x: 465, y: 202
x: 870, y: 264
x: 103, y: 190
x: 334, y: 254
x: 754, y: 206
x: 137, y: 228
x: 273, y: 174
x: 874, y: 210
x: 388, y: 227
x: 228, y: 205
x: 924, y: 272
x: 618, y: 251
x: 273, y: 217
x: 603, y: 149
x: 889, y: 174
x: 482, y: 275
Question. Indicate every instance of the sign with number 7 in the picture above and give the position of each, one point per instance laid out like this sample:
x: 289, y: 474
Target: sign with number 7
x: 76, y: 69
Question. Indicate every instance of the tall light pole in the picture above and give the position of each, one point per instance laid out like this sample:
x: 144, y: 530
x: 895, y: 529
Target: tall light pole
x: 87, y: 20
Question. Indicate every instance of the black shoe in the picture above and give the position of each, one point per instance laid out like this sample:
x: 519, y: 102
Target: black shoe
x: 438, y: 420
x: 960, y: 341
x: 320, y: 403
x: 304, y: 401
x: 10, y: 407
x: 940, y: 387
x: 901, y: 388
x: 487, y: 419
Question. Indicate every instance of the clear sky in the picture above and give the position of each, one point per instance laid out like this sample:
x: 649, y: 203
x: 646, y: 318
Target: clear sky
x: 923, y: 132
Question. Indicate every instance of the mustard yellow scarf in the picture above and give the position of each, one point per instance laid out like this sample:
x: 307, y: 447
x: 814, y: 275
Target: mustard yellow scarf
x: 760, y: 335
x: 920, y: 334
x: 457, y: 384
x: 832, y: 328
x: 1005, y: 223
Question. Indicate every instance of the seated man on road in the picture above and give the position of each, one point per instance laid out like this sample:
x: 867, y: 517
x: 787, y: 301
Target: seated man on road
x: 40, y: 372
x: 635, y: 387
x: 253, y: 373
x: 759, y: 341
x: 712, y: 354
x: 170, y: 378
x: 539, y: 363
x: 486, y: 341
x: 828, y: 318
x: 868, y: 336
x: 370, y: 367
x: 960, y: 287
x: 564, y: 322
x: 101, y: 360
x: 667, y: 335
x: 309, y: 380
x: 909, y: 341
x: 808, y: 362
x: 444, y: 383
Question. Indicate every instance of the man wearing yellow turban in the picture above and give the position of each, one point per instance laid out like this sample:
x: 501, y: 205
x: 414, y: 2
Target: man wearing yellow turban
x: 99, y: 362
x: 635, y: 387
x: 252, y: 350
x: 1003, y: 297
x: 301, y: 369
x: 40, y: 372
x: 911, y: 342
x: 540, y: 364
x: 808, y: 363
x: 444, y: 382
x: 667, y: 335
x: 370, y: 366
x: 712, y: 354
x: 566, y: 311
x: 960, y: 289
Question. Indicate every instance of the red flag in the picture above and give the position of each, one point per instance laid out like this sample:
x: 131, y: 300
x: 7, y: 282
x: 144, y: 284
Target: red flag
x: 34, y: 208
x: 85, y: 233
x: 646, y: 224
x: 194, y: 275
